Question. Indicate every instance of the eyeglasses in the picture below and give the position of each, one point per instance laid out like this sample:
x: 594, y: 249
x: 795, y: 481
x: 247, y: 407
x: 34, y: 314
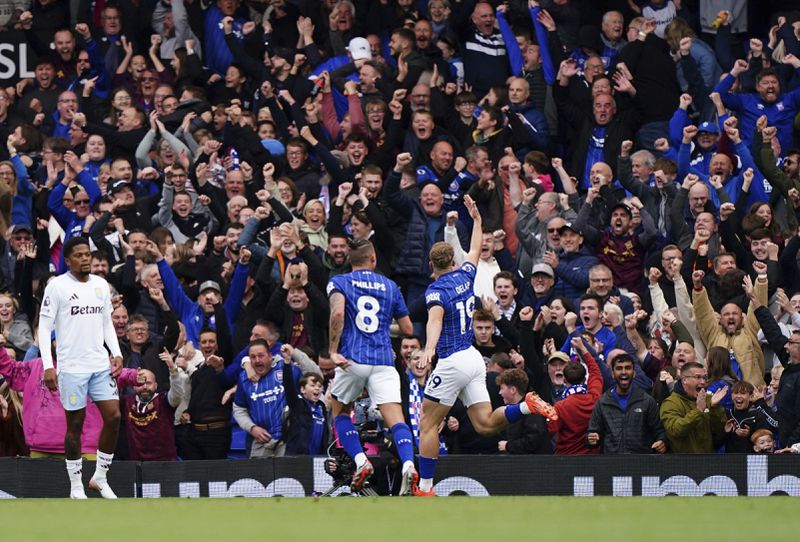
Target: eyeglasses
x: 698, y: 377
x: 137, y: 329
x: 553, y: 230
x: 81, y: 202
x: 294, y: 153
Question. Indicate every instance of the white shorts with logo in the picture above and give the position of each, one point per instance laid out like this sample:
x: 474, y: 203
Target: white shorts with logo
x: 382, y: 383
x: 74, y: 387
x: 459, y: 376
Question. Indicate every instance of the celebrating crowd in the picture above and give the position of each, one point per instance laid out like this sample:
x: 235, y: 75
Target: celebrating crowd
x: 633, y: 165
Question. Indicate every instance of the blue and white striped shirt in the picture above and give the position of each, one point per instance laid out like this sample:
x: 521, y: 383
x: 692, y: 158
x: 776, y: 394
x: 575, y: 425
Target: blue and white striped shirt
x: 371, y: 301
x: 453, y: 292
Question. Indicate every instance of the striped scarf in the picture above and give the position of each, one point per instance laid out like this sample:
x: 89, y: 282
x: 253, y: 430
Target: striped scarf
x: 573, y: 390
x: 414, y: 405
x: 415, y: 396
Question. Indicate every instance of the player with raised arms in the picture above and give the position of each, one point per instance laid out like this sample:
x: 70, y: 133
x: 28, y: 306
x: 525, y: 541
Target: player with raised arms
x: 77, y: 305
x: 362, y: 305
x: 460, y: 372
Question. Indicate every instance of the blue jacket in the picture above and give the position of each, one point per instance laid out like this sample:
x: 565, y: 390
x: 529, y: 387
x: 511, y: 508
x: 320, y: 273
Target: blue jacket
x: 707, y: 63
x: 189, y: 312
x: 515, y: 53
x: 22, y: 202
x: 536, y: 125
x: 216, y: 52
x: 68, y: 220
x: 573, y: 273
x: 413, y: 259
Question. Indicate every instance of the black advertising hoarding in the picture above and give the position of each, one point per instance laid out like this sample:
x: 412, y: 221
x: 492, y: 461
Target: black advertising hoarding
x: 47, y: 478
x: 619, y: 475
x: 17, y: 58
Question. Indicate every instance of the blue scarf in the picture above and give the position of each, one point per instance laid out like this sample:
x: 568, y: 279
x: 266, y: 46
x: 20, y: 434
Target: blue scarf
x: 575, y: 389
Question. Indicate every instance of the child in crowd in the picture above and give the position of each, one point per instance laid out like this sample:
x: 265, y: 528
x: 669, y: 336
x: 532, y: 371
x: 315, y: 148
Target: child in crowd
x: 749, y: 414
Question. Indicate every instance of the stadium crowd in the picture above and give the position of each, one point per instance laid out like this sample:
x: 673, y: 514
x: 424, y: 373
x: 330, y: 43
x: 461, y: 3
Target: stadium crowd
x: 634, y: 164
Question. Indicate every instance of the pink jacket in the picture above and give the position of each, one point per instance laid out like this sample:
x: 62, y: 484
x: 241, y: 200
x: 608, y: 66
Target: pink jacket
x: 43, y: 419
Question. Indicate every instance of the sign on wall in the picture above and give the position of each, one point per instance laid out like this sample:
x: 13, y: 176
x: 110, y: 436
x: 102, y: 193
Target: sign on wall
x: 17, y: 58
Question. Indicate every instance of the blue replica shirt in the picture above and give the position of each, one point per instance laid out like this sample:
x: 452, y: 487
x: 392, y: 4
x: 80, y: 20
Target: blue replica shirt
x: 750, y: 106
x: 453, y: 292
x: 594, y: 153
x: 454, y: 196
x: 317, y: 427
x: 371, y: 301
x: 265, y: 400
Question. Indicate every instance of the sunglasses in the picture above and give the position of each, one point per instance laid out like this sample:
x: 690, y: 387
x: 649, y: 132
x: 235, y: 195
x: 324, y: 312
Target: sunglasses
x: 81, y: 202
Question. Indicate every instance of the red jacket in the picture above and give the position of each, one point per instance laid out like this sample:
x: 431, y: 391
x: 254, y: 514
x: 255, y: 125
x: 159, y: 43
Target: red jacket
x: 574, y: 413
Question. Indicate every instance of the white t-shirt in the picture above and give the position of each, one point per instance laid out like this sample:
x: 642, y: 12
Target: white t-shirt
x: 80, y: 313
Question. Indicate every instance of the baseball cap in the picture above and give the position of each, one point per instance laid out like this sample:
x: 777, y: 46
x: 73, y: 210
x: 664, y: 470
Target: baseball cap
x: 21, y: 227
x: 118, y: 185
x: 210, y: 285
x: 359, y: 49
x: 708, y: 127
x: 624, y: 207
x: 274, y: 147
x: 544, y: 269
x: 285, y: 53
x: 558, y: 356
x: 570, y: 226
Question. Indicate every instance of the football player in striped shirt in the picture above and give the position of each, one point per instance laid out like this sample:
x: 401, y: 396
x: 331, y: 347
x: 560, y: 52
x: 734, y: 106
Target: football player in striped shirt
x: 363, y: 304
x: 460, y: 372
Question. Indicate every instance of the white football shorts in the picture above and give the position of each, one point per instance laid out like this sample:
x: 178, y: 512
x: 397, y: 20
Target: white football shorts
x: 382, y: 383
x: 460, y: 376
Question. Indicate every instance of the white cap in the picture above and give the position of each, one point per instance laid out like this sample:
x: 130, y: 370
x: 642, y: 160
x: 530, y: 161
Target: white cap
x: 359, y: 49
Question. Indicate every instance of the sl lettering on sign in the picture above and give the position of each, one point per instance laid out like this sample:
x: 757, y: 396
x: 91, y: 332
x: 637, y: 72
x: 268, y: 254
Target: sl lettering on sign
x: 17, y: 58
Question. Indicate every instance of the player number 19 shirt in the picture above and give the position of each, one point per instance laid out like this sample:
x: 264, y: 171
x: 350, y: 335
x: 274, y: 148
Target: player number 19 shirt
x: 453, y: 292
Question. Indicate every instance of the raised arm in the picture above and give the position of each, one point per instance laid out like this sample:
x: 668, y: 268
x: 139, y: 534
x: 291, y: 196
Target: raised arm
x: 473, y: 256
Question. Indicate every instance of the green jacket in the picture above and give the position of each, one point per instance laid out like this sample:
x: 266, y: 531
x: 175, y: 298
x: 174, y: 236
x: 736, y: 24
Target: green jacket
x: 765, y: 160
x: 689, y: 430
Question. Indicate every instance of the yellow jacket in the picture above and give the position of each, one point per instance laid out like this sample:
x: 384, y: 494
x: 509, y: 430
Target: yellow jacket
x: 743, y: 342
